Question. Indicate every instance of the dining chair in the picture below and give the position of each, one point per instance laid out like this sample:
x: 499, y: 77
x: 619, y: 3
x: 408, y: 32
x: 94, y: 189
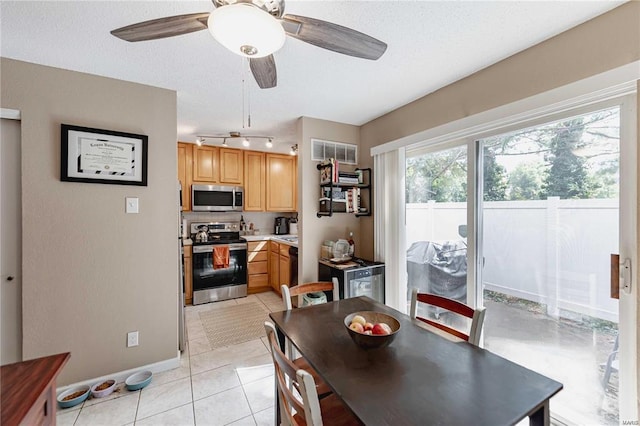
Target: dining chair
x: 297, y: 392
x: 302, y: 289
x: 476, y: 315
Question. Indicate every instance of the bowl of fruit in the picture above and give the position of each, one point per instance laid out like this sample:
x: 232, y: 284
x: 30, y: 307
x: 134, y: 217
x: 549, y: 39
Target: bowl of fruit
x: 371, y: 329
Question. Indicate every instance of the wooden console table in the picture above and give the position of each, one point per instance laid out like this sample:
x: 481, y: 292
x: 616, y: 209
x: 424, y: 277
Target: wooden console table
x: 28, y: 390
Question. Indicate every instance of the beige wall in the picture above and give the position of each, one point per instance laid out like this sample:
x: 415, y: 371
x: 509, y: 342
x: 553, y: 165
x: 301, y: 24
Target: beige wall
x: 604, y: 43
x: 312, y: 229
x: 92, y: 273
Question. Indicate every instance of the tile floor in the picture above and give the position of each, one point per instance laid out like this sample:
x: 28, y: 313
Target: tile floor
x: 233, y: 385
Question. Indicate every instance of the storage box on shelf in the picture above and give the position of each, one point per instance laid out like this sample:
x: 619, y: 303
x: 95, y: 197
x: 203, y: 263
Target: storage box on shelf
x: 344, y: 192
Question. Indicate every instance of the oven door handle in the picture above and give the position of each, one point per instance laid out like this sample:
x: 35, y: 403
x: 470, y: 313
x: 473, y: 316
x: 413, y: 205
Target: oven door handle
x: 209, y: 248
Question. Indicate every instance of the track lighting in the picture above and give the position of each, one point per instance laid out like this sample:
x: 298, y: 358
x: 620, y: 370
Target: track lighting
x: 294, y: 149
x: 246, y: 139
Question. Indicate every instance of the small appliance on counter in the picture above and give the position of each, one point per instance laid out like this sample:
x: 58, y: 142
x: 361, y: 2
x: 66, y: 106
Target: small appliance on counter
x: 281, y: 226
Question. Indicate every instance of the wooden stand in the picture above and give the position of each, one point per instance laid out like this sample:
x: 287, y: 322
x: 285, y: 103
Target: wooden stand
x: 28, y: 390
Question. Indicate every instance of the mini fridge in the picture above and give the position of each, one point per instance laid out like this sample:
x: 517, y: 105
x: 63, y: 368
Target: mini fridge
x: 365, y: 279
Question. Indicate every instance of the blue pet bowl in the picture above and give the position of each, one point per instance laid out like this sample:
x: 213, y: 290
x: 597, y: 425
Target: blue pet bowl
x: 138, y: 380
x: 82, y: 394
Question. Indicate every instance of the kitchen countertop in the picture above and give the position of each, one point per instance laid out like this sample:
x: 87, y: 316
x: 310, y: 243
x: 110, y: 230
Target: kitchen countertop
x: 283, y: 239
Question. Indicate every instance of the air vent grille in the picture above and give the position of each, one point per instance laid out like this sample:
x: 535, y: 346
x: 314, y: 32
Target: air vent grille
x: 343, y: 152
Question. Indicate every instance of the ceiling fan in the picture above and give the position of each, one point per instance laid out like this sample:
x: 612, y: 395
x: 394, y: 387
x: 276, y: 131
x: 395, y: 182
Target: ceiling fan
x: 256, y: 29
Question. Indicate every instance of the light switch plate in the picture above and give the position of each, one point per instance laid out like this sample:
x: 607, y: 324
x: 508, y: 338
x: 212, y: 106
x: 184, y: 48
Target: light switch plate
x: 131, y: 204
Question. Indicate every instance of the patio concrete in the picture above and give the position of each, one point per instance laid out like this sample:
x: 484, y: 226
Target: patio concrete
x: 569, y: 351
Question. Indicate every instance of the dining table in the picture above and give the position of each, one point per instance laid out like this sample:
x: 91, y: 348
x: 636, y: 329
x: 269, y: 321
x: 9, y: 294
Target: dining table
x: 421, y: 378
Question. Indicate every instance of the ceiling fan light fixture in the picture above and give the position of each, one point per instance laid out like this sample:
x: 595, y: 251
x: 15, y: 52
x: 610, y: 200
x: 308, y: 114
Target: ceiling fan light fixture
x: 269, y: 143
x: 294, y: 150
x: 246, y: 30
x: 199, y: 141
x: 245, y: 142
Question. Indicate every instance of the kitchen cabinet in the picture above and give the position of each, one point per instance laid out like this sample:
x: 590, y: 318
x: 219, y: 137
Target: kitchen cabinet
x: 231, y: 166
x: 205, y: 164
x: 279, y: 265
x: 274, y: 266
x: 258, y: 266
x: 254, y: 181
x: 281, y: 183
x: 185, y: 172
x: 188, y: 276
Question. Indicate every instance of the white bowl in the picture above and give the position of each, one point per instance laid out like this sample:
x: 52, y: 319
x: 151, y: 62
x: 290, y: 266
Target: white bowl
x: 104, y: 392
x: 138, y: 380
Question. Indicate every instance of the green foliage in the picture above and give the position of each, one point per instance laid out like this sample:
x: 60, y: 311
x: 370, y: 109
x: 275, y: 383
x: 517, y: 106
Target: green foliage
x: 525, y: 182
x: 494, y: 177
x: 440, y: 176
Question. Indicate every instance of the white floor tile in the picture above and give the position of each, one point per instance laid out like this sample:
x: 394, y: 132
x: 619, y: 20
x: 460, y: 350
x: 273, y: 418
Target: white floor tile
x: 261, y: 393
x: 255, y: 368
x: 181, y: 416
x: 247, y: 421
x: 222, y: 408
x: 226, y: 355
x: 198, y: 346
x: 66, y: 418
x: 157, y: 399
x: 120, y: 411
x: 265, y: 417
x: 214, y: 381
x: 168, y: 376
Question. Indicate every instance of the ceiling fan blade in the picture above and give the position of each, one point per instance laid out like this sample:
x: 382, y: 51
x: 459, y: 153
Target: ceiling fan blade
x: 264, y: 71
x: 333, y: 37
x: 163, y: 27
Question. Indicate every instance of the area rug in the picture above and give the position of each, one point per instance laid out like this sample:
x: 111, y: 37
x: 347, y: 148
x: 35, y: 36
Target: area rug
x: 234, y: 324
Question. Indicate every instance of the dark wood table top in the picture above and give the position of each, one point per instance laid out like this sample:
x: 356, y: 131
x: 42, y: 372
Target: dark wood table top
x: 22, y: 383
x: 421, y: 378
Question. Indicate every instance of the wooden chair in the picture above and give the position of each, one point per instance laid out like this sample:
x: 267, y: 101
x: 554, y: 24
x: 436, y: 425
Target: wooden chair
x: 299, y: 402
x: 476, y: 315
x: 302, y: 289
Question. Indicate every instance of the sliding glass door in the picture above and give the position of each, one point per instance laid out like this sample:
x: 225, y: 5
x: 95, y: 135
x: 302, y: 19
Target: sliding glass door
x: 547, y: 203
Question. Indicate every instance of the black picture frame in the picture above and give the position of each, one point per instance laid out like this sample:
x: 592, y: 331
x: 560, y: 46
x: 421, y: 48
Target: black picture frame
x: 102, y: 156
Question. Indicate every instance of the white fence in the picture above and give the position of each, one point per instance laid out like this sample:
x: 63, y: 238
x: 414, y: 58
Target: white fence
x: 554, y: 252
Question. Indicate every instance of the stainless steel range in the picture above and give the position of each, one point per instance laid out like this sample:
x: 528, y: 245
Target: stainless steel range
x: 219, y: 261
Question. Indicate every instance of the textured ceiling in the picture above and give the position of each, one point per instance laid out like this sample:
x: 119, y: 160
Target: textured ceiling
x: 431, y: 44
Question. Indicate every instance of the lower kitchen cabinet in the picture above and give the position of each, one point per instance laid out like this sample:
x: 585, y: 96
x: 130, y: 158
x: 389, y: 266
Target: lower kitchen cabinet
x: 274, y: 266
x: 188, y: 276
x: 258, y: 266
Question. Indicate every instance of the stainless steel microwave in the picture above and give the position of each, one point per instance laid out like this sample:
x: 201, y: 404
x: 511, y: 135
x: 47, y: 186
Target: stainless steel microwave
x: 216, y: 198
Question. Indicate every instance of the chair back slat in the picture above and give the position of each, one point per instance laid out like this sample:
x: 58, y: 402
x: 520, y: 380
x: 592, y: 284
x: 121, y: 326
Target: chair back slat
x: 287, y: 372
x: 476, y: 315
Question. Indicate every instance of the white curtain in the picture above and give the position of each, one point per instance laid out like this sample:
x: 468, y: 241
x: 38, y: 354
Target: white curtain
x: 389, y: 224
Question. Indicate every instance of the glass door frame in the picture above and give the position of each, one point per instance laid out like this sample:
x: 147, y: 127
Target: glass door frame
x: 628, y: 245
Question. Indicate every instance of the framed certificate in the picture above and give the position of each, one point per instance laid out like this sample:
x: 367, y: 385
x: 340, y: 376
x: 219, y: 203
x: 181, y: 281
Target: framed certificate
x: 103, y: 156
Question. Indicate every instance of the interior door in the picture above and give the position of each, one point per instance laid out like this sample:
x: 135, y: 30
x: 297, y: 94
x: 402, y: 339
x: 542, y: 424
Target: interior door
x: 11, y: 248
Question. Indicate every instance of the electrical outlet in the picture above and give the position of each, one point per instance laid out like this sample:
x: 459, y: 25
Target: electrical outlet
x: 132, y: 339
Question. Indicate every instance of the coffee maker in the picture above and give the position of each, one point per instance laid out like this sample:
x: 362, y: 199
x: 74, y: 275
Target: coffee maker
x: 281, y: 226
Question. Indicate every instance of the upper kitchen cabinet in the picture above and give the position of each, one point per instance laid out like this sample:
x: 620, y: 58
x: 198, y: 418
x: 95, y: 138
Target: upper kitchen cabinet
x: 231, y: 166
x: 205, y: 164
x: 254, y: 181
x: 185, y: 170
x: 281, y: 183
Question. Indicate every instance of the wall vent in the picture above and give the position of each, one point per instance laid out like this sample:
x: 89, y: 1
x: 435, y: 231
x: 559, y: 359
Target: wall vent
x: 345, y: 153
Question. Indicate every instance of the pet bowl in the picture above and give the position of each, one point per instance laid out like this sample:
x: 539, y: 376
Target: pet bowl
x: 103, y: 388
x: 73, y: 396
x: 138, y: 380
x: 373, y: 341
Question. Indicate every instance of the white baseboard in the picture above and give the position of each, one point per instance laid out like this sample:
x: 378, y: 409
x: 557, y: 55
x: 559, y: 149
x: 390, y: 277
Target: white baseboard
x: 121, y: 376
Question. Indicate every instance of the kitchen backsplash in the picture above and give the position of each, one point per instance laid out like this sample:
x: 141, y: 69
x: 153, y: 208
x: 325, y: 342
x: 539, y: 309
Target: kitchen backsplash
x: 264, y: 222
